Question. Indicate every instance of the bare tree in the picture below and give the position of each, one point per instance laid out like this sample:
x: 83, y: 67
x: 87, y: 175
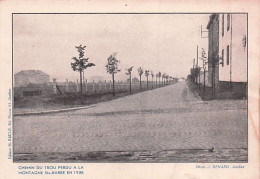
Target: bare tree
x: 128, y: 72
x: 147, y: 74
x: 81, y: 63
x: 140, y: 72
x: 112, y: 68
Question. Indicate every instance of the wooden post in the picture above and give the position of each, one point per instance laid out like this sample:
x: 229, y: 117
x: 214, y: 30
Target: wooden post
x: 113, y: 79
x: 93, y: 85
x: 86, y: 85
x: 67, y: 85
x: 54, y: 86
x: 77, y: 85
x: 100, y: 85
x: 105, y: 85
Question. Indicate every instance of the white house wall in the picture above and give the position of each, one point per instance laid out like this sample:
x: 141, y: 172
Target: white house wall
x: 224, y: 41
x: 236, y: 71
x: 239, y: 53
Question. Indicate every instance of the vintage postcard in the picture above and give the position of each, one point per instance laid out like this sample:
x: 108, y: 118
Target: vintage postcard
x: 136, y: 93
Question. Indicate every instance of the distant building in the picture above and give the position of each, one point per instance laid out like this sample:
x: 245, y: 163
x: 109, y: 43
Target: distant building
x: 181, y: 79
x: 96, y: 78
x: 233, y: 51
x: 25, y: 77
x: 135, y: 80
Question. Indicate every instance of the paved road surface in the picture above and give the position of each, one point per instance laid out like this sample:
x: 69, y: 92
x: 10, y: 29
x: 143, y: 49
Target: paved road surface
x: 167, y: 119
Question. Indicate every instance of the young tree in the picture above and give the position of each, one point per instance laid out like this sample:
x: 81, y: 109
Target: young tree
x: 81, y: 63
x: 152, y: 78
x: 163, y: 78
x: 128, y: 72
x: 167, y: 77
x: 147, y: 74
x: 170, y: 79
x: 159, y: 76
x: 112, y: 68
x: 205, y: 62
x: 140, y: 72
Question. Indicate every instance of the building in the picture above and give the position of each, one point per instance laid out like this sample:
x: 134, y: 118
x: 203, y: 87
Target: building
x: 213, y: 51
x: 25, y: 77
x: 233, y: 52
x: 135, y: 80
x: 227, y: 53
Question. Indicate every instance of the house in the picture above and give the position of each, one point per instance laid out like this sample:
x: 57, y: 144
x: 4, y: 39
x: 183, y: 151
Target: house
x: 227, y: 53
x: 25, y: 77
x: 213, y: 51
x: 233, y: 52
x: 135, y: 80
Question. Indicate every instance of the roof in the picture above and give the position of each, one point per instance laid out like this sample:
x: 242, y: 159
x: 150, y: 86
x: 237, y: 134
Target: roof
x: 31, y: 72
x: 211, y: 17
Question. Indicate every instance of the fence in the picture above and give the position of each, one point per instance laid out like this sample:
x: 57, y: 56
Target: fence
x: 56, y: 87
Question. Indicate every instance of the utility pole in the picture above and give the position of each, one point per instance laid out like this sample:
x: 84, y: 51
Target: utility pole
x: 193, y: 72
x: 204, y: 68
x: 83, y: 75
x: 197, y: 67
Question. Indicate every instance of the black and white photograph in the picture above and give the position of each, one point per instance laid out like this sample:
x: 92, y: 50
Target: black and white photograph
x: 130, y: 87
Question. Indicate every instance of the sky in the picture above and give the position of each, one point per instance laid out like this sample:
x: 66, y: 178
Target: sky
x: 155, y: 42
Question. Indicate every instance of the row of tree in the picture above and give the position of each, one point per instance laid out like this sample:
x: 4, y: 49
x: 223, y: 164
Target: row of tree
x: 195, y: 72
x: 81, y: 63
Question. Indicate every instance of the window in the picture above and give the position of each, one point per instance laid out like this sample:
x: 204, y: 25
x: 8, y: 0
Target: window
x: 222, y: 25
x: 222, y: 62
x: 228, y: 22
x: 228, y: 55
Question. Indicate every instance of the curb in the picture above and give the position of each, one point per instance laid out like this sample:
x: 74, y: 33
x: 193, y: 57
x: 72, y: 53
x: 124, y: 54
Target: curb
x: 53, y: 111
x: 194, y: 94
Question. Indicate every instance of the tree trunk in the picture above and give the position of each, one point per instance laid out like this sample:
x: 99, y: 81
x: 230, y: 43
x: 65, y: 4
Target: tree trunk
x: 204, y: 81
x: 83, y: 78
x: 113, y: 79
x: 80, y: 72
x: 147, y: 81
x: 81, y: 91
x: 140, y: 82
x: 152, y: 82
x: 159, y: 82
x: 130, y: 83
x: 199, y: 79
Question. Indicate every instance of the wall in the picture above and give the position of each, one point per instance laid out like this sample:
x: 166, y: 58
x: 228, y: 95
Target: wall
x: 202, y: 78
x: 35, y: 77
x: 236, y: 70
x: 239, y: 53
x: 213, y: 46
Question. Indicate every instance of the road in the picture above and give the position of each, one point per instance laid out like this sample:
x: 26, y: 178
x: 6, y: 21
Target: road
x: 165, y: 124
